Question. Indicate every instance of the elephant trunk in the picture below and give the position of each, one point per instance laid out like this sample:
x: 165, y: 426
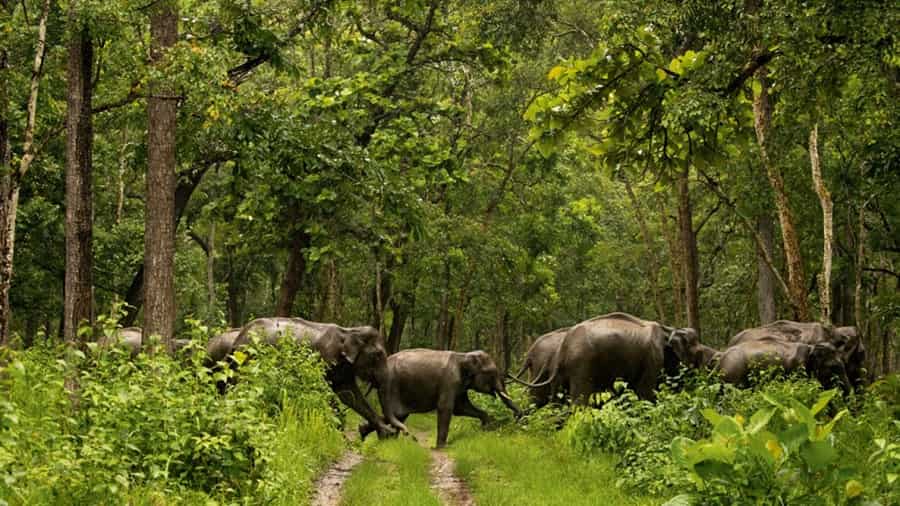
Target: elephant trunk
x: 507, y: 400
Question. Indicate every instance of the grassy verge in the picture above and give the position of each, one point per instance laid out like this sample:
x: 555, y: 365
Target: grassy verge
x: 512, y: 468
x: 395, y: 472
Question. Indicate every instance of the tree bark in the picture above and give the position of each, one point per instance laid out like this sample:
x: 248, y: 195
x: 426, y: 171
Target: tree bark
x: 690, y: 266
x: 11, y: 179
x: 293, y: 274
x: 765, y: 289
x: 762, y: 112
x: 860, y: 263
x: 653, y: 264
x: 827, y: 223
x: 401, y: 307
x: 134, y: 296
x: 159, y: 234
x: 78, y: 304
x: 211, y: 269
x: 675, y: 262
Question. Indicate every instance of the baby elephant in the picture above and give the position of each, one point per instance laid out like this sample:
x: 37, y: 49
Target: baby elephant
x: 421, y: 380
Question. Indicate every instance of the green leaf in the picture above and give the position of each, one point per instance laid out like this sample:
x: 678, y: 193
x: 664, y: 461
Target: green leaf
x: 681, y: 500
x: 823, y: 401
x: 759, y: 420
x: 555, y: 72
x: 818, y: 454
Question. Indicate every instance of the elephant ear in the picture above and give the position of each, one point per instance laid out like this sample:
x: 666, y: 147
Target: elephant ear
x: 336, y: 345
x: 469, y: 367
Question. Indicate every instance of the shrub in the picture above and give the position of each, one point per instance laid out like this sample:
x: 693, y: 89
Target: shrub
x: 154, y: 426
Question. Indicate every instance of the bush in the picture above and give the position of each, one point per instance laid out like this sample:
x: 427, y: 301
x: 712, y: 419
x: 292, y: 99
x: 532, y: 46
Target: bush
x: 640, y: 434
x: 155, y: 426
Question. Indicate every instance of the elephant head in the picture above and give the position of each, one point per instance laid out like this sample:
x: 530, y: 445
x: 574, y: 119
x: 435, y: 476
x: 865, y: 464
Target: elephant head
x: 684, y: 344
x: 361, y: 347
x: 849, y: 343
x: 479, y: 372
x: 825, y: 363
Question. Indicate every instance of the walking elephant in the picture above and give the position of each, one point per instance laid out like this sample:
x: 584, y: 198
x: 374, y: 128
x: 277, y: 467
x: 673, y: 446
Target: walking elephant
x: 821, y: 361
x: 220, y: 347
x: 845, y: 340
x: 537, y: 363
x: 421, y: 380
x: 594, y: 353
x: 129, y: 338
x: 349, y: 352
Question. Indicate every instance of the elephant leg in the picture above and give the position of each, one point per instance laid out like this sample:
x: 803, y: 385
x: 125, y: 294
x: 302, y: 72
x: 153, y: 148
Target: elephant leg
x: 580, y: 388
x: 348, y: 392
x: 443, y: 427
x: 464, y: 407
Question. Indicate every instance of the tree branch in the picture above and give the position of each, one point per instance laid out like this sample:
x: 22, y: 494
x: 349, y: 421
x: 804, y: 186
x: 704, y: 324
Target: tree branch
x: 759, y: 60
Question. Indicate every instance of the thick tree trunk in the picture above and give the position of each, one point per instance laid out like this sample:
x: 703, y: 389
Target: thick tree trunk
x: 653, y: 263
x: 762, y: 112
x: 860, y: 265
x: 159, y: 234
x: 78, y: 304
x: 293, y: 274
x: 690, y: 266
x: 134, y: 296
x: 11, y: 179
x: 765, y: 287
x: 827, y: 223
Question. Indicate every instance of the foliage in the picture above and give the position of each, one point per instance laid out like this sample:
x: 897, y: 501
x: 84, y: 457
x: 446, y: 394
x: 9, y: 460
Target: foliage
x: 157, y: 423
x: 787, y: 440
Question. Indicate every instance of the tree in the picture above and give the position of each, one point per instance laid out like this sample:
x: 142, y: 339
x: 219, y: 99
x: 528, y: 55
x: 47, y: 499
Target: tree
x: 159, y: 236
x: 79, y: 290
x: 11, y: 182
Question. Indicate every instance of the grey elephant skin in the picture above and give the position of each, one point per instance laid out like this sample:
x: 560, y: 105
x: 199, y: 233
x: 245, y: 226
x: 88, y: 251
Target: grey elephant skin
x: 592, y: 355
x: 537, y: 363
x: 422, y: 380
x: 846, y: 340
x: 220, y: 347
x: 349, y: 352
x: 132, y: 340
x: 822, y: 361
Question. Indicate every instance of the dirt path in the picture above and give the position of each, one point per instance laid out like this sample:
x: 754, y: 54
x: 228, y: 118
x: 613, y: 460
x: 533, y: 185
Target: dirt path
x: 451, y: 490
x: 328, y: 486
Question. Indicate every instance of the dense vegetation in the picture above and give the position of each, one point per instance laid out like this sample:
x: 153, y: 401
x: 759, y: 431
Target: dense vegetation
x: 459, y: 175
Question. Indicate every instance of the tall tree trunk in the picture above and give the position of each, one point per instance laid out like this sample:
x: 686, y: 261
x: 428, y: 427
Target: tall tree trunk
x: 860, y: 263
x: 211, y: 269
x: 78, y: 302
x: 765, y: 289
x: 11, y: 179
x: 653, y: 264
x: 690, y: 264
x: 134, y: 296
x: 505, y: 342
x: 159, y: 234
x: 400, y: 307
x: 827, y: 223
x: 293, y: 274
x: 442, y: 331
x: 762, y: 112
x: 120, y: 176
x: 675, y: 265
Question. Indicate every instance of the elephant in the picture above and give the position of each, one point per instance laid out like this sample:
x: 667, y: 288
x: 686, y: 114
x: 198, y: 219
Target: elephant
x: 821, y: 360
x: 423, y: 380
x: 846, y: 340
x: 132, y: 340
x: 537, y: 363
x: 349, y: 353
x: 220, y: 347
x: 596, y: 352
x: 129, y: 338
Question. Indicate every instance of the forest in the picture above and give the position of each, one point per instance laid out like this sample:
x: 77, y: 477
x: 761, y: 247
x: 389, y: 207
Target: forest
x: 457, y: 175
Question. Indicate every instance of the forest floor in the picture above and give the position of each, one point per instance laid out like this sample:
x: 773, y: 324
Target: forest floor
x: 477, y: 467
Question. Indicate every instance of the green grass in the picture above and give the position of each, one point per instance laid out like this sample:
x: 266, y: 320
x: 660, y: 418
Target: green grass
x: 306, y: 444
x: 394, y: 472
x: 509, y: 467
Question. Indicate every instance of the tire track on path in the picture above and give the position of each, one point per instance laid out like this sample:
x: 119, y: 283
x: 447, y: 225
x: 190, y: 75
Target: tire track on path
x: 329, y: 486
x: 451, y: 490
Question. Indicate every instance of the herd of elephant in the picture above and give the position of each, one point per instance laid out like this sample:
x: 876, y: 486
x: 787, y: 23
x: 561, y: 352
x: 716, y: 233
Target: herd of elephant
x: 579, y: 360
